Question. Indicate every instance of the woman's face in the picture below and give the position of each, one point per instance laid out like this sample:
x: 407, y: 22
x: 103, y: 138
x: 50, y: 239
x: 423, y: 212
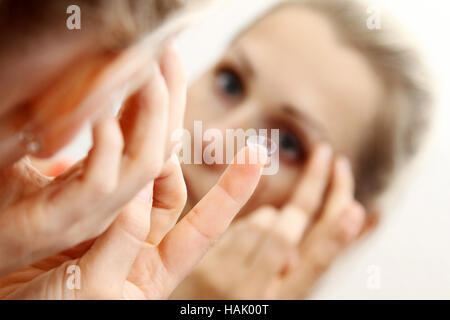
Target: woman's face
x: 288, y: 72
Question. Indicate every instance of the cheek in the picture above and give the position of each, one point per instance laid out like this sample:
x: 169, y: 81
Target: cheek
x: 197, y: 97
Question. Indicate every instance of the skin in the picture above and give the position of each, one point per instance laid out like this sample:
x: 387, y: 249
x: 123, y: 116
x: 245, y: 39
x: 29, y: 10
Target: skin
x: 280, y: 253
x: 115, y: 213
x: 127, y: 155
x: 142, y: 255
x: 309, y: 82
x: 289, y: 71
x: 65, y: 64
x: 305, y: 238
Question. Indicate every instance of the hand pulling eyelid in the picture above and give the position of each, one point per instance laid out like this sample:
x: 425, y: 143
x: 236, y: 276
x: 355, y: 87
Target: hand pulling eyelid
x: 128, y: 71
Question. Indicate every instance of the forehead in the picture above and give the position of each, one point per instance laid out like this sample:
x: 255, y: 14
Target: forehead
x: 299, y: 60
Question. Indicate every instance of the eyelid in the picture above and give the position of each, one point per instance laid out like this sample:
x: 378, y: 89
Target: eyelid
x: 300, y: 132
x: 227, y: 65
x: 232, y: 66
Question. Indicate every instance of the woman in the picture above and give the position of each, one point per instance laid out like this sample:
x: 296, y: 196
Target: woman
x: 351, y: 108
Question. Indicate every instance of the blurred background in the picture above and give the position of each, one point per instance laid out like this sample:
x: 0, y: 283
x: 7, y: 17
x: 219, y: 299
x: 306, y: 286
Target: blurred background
x: 409, y: 255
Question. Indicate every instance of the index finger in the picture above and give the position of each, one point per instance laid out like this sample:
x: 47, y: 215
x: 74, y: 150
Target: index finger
x: 174, y: 74
x: 185, y: 245
x: 313, y: 182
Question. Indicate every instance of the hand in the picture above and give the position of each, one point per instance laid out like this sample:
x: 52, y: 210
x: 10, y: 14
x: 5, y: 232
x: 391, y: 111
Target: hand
x: 142, y: 256
x: 280, y: 254
x: 40, y: 217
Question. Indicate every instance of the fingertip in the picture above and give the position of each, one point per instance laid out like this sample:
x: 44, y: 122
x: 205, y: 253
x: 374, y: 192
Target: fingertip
x: 343, y: 175
x: 157, y: 87
x: 171, y: 63
x: 173, y: 46
x: 263, y: 218
x: 292, y: 224
x: 351, y: 222
x: 323, y: 153
x: 107, y: 138
x: 111, y: 126
x: 343, y: 166
x: 257, y: 154
x: 242, y: 176
x: 252, y: 157
x: 172, y: 51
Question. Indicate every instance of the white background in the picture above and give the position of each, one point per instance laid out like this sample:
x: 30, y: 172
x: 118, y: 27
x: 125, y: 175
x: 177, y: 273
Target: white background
x: 412, y: 246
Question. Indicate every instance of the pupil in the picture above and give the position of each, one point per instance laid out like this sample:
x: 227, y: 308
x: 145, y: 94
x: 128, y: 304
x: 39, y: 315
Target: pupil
x: 230, y: 83
x: 287, y: 142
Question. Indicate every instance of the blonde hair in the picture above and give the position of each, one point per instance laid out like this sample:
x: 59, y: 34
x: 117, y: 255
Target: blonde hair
x: 406, y: 110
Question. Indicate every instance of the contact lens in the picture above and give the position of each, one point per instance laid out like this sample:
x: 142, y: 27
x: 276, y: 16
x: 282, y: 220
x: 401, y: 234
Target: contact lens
x: 264, y: 141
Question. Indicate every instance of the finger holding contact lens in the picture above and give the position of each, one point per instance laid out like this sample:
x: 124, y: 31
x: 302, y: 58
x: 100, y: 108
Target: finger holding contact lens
x: 263, y: 143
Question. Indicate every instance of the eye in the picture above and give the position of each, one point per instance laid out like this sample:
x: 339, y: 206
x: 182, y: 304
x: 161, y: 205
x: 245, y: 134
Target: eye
x: 292, y: 150
x: 229, y: 83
